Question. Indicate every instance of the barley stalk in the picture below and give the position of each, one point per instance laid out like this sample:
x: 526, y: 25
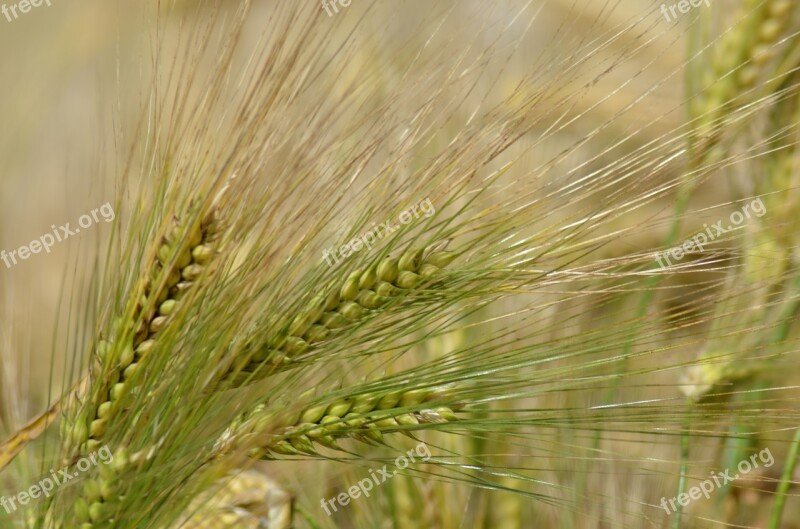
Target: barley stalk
x: 178, y: 264
x: 751, y: 44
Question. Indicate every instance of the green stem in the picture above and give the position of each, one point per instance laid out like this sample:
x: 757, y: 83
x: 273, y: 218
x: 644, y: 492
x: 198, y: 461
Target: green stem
x: 299, y: 509
x: 677, y: 521
x: 786, y: 480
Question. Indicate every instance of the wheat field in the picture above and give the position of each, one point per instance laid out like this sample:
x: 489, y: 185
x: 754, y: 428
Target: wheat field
x: 495, y: 264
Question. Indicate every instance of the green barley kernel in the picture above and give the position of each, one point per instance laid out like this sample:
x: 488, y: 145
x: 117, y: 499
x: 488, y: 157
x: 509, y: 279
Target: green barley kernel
x: 173, y: 278
x: 316, y: 333
x: 126, y: 356
x: 446, y: 413
x: 107, y: 475
x: 87, y: 525
x: 202, y: 254
x: 195, y: 235
x: 103, y: 410
x: 328, y: 442
x: 364, y: 403
x: 440, y: 259
x: 168, y: 307
x: 386, y: 290
x: 312, y: 415
x: 353, y: 420
x: 369, y: 299
x: 80, y: 432
x: 284, y: 448
x: 129, y: 371
x: 260, y: 354
x: 388, y: 269
x: 184, y: 258
x: 97, y: 428
x: 103, y: 348
x: 761, y: 54
x: 386, y: 422
x: 331, y: 300
x: 91, y: 490
x: 340, y: 409
x: 98, y: 511
x: 373, y: 433
x: 279, y: 359
x: 368, y: 278
x: 389, y: 401
x: 117, y: 391
x: 779, y: 8
x: 349, y: 289
x: 410, y: 260
x: 121, y: 460
x: 294, y: 345
x: 144, y: 347
x: 164, y: 254
x: 178, y: 291
x: 351, y: 311
x: 428, y: 270
x: 141, y: 330
x: 407, y: 419
x: 113, y: 376
x: 107, y: 489
x: 332, y: 422
x: 96, y: 367
x: 771, y: 29
x: 303, y: 321
x: 158, y: 323
x: 192, y: 272
x: 414, y: 397
x: 90, y: 446
x: 174, y: 232
x: 82, y: 510
x: 333, y: 320
x: 408, y: 279
x: 302, y: 443
x: 748, y: 75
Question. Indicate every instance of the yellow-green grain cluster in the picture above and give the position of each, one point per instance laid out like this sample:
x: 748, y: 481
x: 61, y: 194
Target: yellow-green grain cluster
x: 738, y: 62
x: 182, y: 257
x: 363, y: 292
x: 364, y: 417
x: 179, y: 263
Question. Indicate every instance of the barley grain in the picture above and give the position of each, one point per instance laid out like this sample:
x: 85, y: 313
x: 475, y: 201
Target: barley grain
x: 350, y: 303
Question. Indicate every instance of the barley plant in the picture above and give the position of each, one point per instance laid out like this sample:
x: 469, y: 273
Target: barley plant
x: 400, y: 264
